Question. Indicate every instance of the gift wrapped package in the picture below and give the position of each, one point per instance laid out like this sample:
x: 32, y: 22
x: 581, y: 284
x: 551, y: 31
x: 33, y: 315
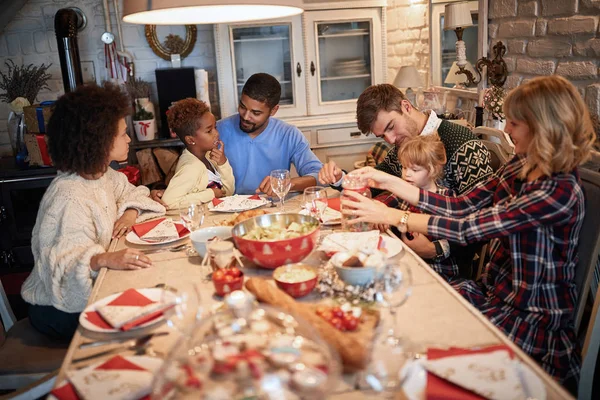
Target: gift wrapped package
x: 37, y: 147
x: 37, y: 116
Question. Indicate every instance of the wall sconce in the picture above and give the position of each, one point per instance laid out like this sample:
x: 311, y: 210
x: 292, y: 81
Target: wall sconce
x: 457, y: 17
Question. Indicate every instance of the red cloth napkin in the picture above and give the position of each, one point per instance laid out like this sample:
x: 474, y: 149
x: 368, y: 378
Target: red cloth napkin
x: 216, y: 201
x: 145, y: 227
x: 441, y: 389
x: 130, y: 297
x: 254, y: 197
x: 334, y: 203
x: 67, y: 391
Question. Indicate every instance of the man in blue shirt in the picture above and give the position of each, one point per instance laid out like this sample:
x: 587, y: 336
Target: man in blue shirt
x: 256, y: 144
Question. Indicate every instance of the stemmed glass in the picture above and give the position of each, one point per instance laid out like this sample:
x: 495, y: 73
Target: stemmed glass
x: 315, y: 201
x: 394, y: 287
x: 281, y: 184
x: 186, y: 310
x: 192, y: 217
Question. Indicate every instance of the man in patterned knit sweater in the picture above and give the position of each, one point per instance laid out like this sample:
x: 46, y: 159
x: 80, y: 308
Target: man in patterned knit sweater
x: 384, y: 111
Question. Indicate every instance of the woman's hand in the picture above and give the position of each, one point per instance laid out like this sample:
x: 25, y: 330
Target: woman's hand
x: 218, y: 154
x: 421, y: 245
x: 126, y: 259
x: 123, y: 225
x: 157, y: 195
x: 377, y: 179
x: 368, y: 210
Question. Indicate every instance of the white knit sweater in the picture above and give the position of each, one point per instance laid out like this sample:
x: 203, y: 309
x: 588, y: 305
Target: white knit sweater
x: 75, y: 222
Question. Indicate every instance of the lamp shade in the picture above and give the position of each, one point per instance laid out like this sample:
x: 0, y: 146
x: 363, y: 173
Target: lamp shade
x: 452, y: 78
x: 408, y: 77
x: 191, y: 12
x: 457, y: 15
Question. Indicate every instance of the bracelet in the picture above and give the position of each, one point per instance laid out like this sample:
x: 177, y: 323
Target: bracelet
x: 403, y: 226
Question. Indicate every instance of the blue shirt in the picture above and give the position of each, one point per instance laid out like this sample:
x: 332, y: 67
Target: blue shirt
x: 277, y: 147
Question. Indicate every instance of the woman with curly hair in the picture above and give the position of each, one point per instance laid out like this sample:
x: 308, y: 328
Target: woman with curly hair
x: 203, y: 172
x: 531, y: 209
x: 85, y: 206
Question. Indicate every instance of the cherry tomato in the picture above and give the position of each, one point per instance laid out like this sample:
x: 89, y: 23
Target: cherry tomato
x: 229, y: 278
x: 350, y: 322
x: 338, y: 323
x: 218, y: 275
x: 337, y: 312
x: 234, y: 272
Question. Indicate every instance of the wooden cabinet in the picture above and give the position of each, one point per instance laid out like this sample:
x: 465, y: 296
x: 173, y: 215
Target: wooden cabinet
x: 324, y: 59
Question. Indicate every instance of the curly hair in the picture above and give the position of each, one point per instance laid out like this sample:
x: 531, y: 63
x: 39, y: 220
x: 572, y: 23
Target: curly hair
x: 83, y: 126
x: 184, y: 116
x: 424, y: 151
x: 558, y: 120
x: 264, y: 88
x: 374, y: 99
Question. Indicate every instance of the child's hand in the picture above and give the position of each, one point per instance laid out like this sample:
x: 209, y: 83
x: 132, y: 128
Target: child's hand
x: 218, y: 192
x: 218, y: 154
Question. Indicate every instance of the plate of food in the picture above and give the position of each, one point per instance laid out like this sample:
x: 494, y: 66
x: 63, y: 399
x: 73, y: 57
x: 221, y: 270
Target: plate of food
x: 129, y: 310
x: 237, y: 203
x: 158, y: 231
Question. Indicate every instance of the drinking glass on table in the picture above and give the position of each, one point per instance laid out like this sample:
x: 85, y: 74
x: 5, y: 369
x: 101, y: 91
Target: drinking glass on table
x: 315, y: 201
x: 192, y: 217
x: 394, y: 287
x: 281, y: 184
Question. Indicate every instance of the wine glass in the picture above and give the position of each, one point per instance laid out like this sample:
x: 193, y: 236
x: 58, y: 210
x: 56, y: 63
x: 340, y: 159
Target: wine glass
x: 315, y: 201
x: 281, y: 184
x: 192, y: 217
x: 394, y: 287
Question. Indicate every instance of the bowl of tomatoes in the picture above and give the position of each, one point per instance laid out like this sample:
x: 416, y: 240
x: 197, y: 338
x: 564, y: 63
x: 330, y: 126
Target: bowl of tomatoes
x: 297, y: 280
x: 227, y: 280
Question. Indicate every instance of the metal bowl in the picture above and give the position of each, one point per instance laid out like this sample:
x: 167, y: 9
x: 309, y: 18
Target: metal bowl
x: 272, y: 254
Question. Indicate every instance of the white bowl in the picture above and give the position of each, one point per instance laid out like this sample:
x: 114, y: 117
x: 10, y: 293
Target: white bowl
x: 358, y: 276
x: 202, y: 235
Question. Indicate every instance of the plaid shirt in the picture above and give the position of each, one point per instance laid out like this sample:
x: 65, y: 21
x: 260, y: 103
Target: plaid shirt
x: 528, y: 288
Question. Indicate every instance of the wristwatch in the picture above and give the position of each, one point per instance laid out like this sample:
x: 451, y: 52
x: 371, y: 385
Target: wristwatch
x: 439, y: 252
x: 403, y: 226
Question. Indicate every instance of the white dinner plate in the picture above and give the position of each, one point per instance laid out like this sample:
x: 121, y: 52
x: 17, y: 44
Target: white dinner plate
x: 237, y: 203
x: 154, y: 294
x: 416, y: 380
x: 391, y: 246
x: 330, y: 217
x: 133, y: 238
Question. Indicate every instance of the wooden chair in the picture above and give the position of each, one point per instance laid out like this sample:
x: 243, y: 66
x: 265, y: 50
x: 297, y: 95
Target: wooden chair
x: 590, y: 369
x: 499, y: 146
x: 26, y: 355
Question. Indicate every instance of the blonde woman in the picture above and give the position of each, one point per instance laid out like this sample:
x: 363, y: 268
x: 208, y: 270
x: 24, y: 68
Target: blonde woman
x: 532, y: 209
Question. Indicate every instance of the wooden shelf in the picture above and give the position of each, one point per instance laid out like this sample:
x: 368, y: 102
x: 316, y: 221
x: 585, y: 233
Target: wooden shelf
x: 261, y: 39
x: 173, y: 142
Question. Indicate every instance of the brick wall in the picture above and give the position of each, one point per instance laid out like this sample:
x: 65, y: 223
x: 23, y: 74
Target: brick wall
x: 29, y: 38
x: 546, y: 37
x: 408, y: 36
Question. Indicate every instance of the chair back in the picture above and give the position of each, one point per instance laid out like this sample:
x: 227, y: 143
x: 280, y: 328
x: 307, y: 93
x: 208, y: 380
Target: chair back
x: 589, y: 240
x: 500, y: 148
x: 590, y: 368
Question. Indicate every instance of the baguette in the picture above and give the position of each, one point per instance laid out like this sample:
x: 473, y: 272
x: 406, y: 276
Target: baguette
x: 353, y: 352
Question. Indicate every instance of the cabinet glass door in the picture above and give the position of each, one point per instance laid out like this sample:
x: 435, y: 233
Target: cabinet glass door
x: 264, y: 49
x: 344, y: 62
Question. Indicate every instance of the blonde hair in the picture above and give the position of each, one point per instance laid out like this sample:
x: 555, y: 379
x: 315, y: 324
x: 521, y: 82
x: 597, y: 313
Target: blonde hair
x: 424, y: 151
x: 558, y: 120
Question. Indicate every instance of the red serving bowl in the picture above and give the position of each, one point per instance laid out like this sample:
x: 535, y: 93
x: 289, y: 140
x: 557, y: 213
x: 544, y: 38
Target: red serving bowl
x: 272, y: 254
x: 223, y: 288
x: 295, y: 289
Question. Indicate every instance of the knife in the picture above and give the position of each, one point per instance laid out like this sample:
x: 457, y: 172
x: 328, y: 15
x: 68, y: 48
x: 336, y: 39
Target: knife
x: 113, y: 341
x: 152, y: 251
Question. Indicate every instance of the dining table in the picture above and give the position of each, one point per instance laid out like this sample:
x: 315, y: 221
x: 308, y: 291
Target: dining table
x: 435, y: 315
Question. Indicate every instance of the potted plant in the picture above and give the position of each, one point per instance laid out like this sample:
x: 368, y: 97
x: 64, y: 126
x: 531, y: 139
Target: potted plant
x: 21, y: 85
x: 139, y: 91
x: 143, y: 123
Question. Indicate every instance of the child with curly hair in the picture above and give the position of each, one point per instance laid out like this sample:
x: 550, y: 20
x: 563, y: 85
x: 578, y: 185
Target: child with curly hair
x: 203, y: 172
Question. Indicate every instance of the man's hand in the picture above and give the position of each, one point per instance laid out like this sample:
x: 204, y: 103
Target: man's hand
x: 126, y: 259
x: 157, y: 195
x: 420, y: 245
x: 218, y: 192
x: 266, y: 188
x: 123, y: 225
x: 218, y: 154
x: 330, y: 173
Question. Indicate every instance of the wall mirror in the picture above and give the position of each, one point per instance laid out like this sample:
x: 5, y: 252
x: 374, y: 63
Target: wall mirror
x: 163, y: 40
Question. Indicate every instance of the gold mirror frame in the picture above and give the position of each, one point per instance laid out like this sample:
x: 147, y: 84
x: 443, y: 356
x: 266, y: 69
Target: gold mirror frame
x: 164, y: 53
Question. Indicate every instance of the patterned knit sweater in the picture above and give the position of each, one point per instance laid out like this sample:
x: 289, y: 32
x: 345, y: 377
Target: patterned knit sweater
x: 468, y: 160
x: 75, y: 222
